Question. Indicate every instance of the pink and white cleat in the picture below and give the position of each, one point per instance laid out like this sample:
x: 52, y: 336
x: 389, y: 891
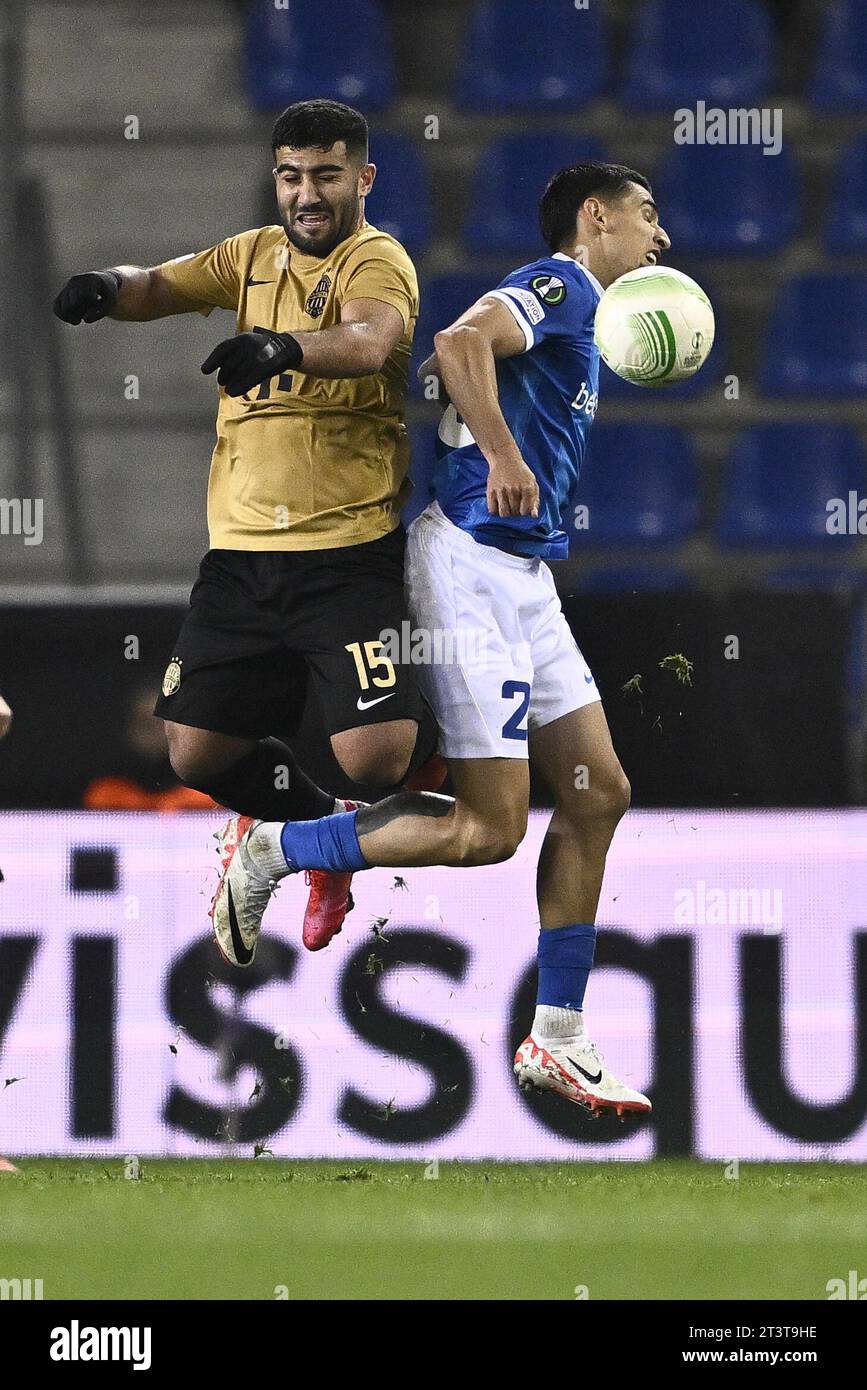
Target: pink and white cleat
x: 244, y: 889
x: 574, y: 1069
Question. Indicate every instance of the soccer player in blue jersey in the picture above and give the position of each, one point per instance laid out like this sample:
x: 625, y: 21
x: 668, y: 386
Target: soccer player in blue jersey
x: 520, y: 369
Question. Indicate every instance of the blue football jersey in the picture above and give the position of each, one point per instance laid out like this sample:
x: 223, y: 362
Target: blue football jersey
x: 548, y: 395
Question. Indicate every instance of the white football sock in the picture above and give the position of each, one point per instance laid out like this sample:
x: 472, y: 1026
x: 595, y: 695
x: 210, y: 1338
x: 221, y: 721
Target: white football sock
x: 265, y: 852
x: 553, y: 1024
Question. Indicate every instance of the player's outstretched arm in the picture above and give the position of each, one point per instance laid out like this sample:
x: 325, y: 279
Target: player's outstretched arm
x: 466, y: 355
x: 359, y: 345
x: 127, y: 292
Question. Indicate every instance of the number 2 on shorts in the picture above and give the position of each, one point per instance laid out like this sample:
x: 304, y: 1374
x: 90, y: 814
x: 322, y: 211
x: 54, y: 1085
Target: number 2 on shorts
x: 512, y: 727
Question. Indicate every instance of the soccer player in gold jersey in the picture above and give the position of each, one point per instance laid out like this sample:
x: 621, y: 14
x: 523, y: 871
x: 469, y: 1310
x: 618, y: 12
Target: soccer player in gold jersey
x: 305, y: 569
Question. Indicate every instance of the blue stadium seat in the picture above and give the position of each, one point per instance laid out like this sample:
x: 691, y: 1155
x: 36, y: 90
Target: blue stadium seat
x: 719, y: 50
x: 779, y: 479
x: 840, y: 78
x: 422, y: 441
x: 641, y: 487
x: 444, y: 299
x: 631, y: 579
x: 327, y: 49
x: 400, y: 201
x: 847, y: 224
x: 728, y: 199
x: 510, y: 180
x: 547, y: 55
x: 817, y: 341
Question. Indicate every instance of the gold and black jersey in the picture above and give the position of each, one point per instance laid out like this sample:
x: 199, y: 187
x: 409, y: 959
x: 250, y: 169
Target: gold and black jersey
x: 303, y: 462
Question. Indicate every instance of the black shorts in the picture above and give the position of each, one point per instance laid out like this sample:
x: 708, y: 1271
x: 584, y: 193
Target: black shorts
x: 264, y: 627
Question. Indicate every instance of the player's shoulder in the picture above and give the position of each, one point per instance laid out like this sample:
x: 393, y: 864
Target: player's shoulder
x: 371, y: 243
x: 254, y: 244
x: 557, y: 278
x: 262, y: 240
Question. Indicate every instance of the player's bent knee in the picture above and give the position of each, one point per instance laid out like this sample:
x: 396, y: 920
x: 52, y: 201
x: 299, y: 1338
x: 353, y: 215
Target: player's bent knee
x: 388, y: 772
x: 599, y: 806
x: 191, y: 766
x: 483, y: 842
x: 198, y: 756
x: 491, y: 846
x: 382, y: 770
x: 611, y: 801
x: 180, y: 750
x: 377, y: 757
x: 619, y: 796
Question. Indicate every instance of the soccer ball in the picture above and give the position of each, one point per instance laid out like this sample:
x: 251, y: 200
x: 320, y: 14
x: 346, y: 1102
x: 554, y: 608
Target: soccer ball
x: 654, y: 326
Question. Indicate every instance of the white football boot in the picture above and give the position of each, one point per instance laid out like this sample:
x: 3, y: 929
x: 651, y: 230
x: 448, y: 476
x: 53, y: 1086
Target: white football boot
x: 573, y: 1068
x: 249, y: 878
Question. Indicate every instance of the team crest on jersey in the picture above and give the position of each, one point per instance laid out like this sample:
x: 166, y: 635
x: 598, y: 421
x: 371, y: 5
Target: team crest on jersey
x: 318, y: 297
x: 172, y: 678
x: 549, y: 288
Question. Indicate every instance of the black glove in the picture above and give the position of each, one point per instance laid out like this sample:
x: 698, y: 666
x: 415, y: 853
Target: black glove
x: 89, y: 297
x: 251, y: 358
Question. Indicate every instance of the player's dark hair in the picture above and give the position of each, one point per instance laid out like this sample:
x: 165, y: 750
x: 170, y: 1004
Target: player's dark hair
x: 567, y: 190
x: 320, y: 124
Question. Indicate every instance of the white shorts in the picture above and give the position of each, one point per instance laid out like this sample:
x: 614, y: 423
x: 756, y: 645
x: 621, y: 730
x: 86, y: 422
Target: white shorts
x: 500, y: 658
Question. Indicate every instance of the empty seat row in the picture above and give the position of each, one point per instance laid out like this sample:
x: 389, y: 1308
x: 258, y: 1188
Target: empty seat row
x: 782, y: 485
x: 717, y: 200
x: 554, y: 56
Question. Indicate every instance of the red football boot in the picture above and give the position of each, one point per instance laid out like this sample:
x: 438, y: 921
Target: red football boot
x: 328, y: 902
x: 330, y: 897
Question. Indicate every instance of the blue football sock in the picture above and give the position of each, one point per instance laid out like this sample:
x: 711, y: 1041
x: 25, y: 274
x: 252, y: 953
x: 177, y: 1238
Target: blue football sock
x: 565, y: 958
x: 328, y: 843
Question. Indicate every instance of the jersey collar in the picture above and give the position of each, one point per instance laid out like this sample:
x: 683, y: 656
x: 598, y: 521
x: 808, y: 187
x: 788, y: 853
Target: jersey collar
x: 561, y: 256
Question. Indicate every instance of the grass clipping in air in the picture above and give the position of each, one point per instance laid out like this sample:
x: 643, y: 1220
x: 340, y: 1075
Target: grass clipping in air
x: 679, y: 665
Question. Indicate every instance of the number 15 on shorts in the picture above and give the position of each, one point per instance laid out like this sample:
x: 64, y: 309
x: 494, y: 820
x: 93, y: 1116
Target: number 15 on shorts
x: 369, y: 658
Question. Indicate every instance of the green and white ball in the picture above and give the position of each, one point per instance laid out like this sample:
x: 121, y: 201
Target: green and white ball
x: 654, y: 326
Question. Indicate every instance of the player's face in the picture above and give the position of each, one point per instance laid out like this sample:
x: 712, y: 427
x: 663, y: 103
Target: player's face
x: 320, y: 196
x: 635, y: 237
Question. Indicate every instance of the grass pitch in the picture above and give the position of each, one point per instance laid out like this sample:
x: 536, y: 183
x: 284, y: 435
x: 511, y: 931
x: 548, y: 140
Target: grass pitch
x: 245, y: 1229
